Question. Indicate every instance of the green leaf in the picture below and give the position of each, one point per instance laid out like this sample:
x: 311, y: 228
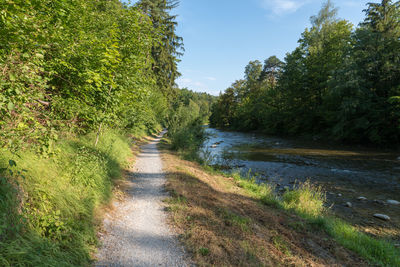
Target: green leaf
x: 10, y: 106
x: 12, y: 163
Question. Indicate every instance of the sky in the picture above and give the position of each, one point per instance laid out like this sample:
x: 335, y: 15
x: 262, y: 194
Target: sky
x: 222, y: 36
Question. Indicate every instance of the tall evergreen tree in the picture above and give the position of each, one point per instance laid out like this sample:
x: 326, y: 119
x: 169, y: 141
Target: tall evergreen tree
x: 166, y: 53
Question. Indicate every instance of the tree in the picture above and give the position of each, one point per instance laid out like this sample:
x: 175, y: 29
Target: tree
x: 370, y: 86
x: 166, y: 52
x: 271, y: 71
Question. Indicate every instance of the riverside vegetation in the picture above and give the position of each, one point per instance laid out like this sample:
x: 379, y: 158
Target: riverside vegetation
x: 327, y: 87
x: 222, y: 222
x: 80, y: 81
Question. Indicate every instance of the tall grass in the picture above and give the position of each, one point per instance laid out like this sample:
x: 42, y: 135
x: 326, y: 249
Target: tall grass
x: 307, y: 200
x: 53, y: 201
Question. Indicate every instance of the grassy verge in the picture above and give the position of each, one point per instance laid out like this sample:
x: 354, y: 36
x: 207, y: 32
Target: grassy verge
x: 224, y: 221
x: 307, y: 201
x: 49, y: 207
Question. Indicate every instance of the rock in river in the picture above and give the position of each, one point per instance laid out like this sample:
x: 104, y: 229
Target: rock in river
x: 380, y: 202
x: 348, y: 204
x: 393, y: 202
x: 382, y: 217
x: 361, y: 198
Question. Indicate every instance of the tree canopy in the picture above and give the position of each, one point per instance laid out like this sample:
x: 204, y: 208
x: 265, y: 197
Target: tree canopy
x: 340, y: 82
x: 77, y: 66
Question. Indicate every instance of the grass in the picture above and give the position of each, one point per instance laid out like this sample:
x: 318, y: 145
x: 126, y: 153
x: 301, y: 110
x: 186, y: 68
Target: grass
x: 305, y: 201
x: 229, y: 220
x: 375, y: 251
x: 54, y: 202
x: 308, y: 201
x: 236, y: 220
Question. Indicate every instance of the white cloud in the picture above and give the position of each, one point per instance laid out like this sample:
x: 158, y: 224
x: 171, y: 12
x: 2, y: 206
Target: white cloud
x: 279, y: 7
x: 211, y: 78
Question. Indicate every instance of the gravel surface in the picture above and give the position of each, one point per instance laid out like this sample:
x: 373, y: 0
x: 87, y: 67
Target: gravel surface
x: 137, y: 234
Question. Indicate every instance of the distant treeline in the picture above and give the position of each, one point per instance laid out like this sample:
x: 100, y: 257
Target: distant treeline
x: 340, y: 82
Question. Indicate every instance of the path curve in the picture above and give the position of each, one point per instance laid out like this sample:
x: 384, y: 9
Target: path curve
x: 138, y: 235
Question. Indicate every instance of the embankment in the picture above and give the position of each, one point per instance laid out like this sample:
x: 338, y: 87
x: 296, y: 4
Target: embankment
x: 51, y: 206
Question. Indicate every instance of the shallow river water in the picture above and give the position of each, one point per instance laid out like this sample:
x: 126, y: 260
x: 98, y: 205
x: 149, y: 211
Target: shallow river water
x: 345, y: 173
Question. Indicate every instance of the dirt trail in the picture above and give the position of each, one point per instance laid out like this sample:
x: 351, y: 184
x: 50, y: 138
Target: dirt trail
x: 137, y: 233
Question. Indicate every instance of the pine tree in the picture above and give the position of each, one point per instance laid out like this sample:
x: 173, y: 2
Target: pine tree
x: 167, y: 52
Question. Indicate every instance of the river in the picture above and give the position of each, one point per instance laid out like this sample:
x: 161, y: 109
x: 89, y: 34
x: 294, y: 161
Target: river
x: 346, y: 173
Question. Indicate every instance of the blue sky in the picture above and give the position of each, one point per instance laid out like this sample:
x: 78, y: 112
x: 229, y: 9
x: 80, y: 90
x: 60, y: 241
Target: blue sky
x: 222, y: 36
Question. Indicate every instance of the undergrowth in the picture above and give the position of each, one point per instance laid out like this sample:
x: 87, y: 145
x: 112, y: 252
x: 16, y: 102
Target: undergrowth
x: 48, y: 204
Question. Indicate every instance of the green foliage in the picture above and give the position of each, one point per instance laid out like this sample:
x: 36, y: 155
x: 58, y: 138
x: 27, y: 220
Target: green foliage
x: 376, y: 251
x: 339, y: 82
x: 185, y: 121
x: 77, y: 66
x: 48, y: 204
x: 69, y: 72
x: 169, y: 47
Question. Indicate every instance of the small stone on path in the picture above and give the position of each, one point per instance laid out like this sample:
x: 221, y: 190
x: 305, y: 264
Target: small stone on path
x: 382, y: 216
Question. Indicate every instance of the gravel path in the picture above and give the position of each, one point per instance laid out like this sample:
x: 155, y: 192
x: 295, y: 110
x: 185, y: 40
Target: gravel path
x: 137, y: 234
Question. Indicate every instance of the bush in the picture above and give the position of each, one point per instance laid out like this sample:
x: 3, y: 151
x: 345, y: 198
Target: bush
x: 186, y: 131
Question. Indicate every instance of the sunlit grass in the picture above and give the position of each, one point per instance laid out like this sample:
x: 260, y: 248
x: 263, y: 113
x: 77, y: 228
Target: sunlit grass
x: 264, y: 192
x: 307, y: 201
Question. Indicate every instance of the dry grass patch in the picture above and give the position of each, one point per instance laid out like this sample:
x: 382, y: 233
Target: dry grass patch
x: 221, y: 224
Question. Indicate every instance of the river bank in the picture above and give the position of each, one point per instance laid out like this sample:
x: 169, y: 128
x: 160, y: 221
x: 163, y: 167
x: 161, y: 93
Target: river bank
x: 222, y: 224
x: 358, y: 181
